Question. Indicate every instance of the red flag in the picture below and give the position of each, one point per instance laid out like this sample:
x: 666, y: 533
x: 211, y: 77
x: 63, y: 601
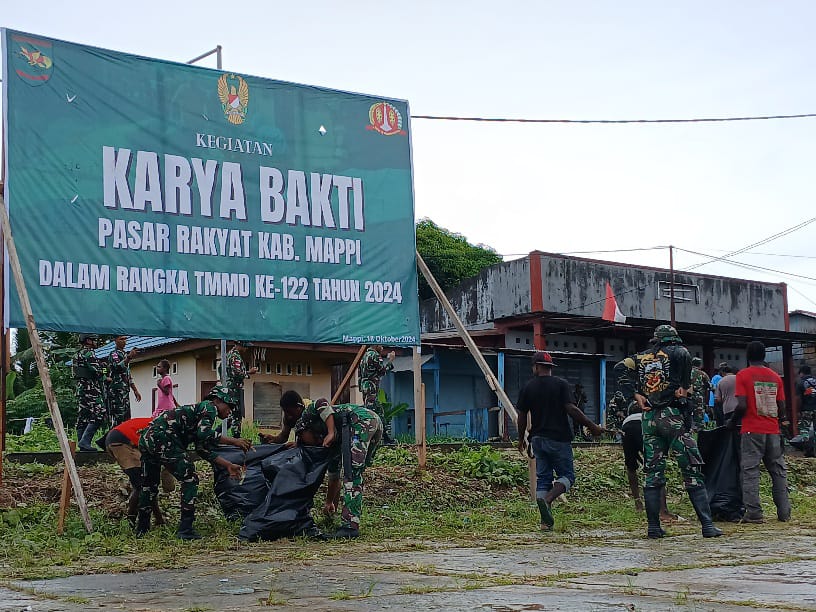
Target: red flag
x: 611, y: 311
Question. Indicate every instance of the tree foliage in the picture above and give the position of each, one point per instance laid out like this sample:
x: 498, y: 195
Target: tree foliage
x: 450, y: 257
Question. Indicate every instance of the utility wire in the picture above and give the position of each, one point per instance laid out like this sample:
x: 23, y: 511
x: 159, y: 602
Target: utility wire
x: 611, y: 121
x: 784, y: 232
x: 803, y: 295
x: 748, y: 266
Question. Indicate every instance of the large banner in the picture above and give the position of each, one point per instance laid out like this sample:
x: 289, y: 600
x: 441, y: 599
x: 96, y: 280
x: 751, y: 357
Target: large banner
x: 162, y: 199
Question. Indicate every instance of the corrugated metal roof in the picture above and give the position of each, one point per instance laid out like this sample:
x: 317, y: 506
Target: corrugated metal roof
x: 139, y: 342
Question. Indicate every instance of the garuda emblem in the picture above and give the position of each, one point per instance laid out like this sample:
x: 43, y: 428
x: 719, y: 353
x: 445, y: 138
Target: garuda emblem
x: 233, y: 92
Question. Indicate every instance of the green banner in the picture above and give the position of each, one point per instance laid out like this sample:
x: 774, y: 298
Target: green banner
x: 161, y: 199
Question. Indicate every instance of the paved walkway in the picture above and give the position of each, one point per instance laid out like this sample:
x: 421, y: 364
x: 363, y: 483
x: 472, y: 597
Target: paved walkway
x: 749, y: 570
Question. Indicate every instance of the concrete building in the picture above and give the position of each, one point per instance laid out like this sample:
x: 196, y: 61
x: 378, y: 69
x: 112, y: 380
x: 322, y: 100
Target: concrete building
x: 311, y: 370
x: 555, y: 302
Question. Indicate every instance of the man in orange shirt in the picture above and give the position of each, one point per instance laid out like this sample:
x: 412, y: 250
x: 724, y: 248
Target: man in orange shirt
x: 761, y: 409
x: 122, y: 443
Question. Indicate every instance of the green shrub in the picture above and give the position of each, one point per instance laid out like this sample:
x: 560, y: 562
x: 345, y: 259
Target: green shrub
x: 483, y: 463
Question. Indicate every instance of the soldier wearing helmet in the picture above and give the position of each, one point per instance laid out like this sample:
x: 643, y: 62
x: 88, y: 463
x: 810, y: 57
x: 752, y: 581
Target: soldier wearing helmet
x: 164, y: 443
x: 88, y: 374
x: 663, y: 379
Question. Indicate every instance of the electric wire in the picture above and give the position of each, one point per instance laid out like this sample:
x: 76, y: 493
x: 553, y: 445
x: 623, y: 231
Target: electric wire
x: 612, y: 121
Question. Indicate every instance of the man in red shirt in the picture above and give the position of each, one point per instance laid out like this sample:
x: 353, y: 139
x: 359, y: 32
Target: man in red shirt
x: 761, y: 407
x: 122, y: 443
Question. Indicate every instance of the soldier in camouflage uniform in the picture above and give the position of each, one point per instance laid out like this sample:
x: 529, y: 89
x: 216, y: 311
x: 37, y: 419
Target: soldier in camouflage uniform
x: 616, y: 413
x: 89, y: 375
x: 237, y: 373
x: 364, y: 431
x: 663, y: 379
x: 806, y: 408
x: 164, y: 443
x: 121, y: 382
x: 698, y: 394
x: 375, y: 364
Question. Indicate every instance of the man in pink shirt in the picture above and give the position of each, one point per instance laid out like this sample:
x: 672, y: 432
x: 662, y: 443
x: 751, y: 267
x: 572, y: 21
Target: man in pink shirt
x: 165, y: 399
x: 761, y: 408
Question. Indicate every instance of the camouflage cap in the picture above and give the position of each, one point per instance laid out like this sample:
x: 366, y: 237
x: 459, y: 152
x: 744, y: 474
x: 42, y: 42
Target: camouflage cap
x: 696, y: 361
x: 85, y: 337
x: 666, y: 333
x: 223, y: 393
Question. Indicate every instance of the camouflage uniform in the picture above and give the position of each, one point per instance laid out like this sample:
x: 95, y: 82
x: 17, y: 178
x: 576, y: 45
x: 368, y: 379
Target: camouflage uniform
x: 165, y: 442
x: 365, y: 431
x: 806, y: 390
x: 661, y: 370
x: 616, y: 412
x: 237, y: 373
x: 88, y: 374
x: 698, y: 396
x: 119, y: 387
x: 372, y: 368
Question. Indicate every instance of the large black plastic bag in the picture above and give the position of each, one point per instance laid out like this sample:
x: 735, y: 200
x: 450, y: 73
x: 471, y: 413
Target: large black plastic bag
x: 720, y: 450
x: 238, y: 499
x: 294, y: 477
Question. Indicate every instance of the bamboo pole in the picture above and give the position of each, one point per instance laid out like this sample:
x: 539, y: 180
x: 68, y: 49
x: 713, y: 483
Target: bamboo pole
x: 491, y: 379
x: 45, y: 375
x: 354, y: 363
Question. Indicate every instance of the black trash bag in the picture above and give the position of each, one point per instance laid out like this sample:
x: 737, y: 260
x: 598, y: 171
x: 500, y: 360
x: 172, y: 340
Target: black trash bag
x: 238, y: 499
x: 720, y: 449
x: 294, y: 477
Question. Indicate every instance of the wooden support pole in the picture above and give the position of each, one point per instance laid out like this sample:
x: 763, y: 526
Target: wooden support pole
x: 65, y: 497
x: 491, y: 379
x: 419, y: 408
x: 355, y: 362
x: 45, y: 375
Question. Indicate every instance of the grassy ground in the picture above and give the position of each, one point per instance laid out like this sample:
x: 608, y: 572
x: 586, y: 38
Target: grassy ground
x: 473, y: 496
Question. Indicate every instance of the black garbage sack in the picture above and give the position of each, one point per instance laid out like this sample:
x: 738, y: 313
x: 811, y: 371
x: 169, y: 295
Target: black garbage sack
x: 294, y: 476
x: 239, y: 498
x: 720, y: 450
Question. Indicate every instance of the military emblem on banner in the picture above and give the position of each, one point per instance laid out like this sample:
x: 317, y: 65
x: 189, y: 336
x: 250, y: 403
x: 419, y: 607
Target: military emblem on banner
x: 233, y: 92
x: 32, y: 59
x: 385, y: 119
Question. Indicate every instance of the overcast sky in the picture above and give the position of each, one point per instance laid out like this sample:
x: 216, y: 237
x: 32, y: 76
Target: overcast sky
x: 710, y: 188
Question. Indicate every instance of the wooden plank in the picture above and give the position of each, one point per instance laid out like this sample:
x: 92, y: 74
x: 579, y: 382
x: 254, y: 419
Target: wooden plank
x: 42, y: 365
x: 354, y: 363
x: 65, y: 497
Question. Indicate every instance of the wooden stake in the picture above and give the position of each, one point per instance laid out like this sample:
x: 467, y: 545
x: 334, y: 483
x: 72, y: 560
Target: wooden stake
x: 419, y: 408
x: 354, y: 363
x: 65, y: 498
x: 45, y: 375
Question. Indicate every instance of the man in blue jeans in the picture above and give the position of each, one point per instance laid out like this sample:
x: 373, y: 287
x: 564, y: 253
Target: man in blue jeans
x: 549, y: 401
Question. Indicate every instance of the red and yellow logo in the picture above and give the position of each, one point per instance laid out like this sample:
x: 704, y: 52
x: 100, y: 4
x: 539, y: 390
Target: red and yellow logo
x: 385, y: 119
x: 32, y: 59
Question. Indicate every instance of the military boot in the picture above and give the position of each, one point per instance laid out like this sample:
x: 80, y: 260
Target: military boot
x: 344, y: 533
x: 185, y: 529
x: 133, y: 507
x: 143, y: 521
x: 699, y: 499
x: 651, y: 498
x: 157, y: 513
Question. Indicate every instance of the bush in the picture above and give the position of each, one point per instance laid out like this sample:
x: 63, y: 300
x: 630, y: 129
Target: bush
x: 484, y: 463
x: 32, y: 403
